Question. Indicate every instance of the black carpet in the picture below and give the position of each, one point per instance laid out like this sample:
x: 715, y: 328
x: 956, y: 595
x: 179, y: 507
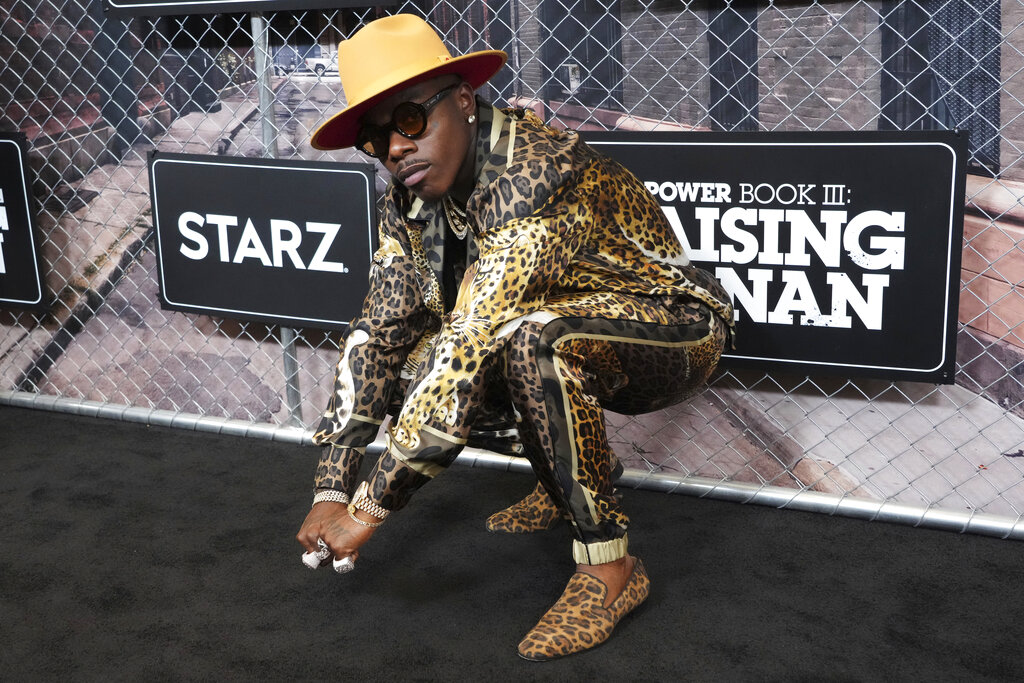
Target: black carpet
x: 142, y: 553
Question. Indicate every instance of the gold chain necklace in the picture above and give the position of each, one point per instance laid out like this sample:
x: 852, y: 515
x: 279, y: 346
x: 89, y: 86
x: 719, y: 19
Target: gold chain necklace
x: 457, y: 218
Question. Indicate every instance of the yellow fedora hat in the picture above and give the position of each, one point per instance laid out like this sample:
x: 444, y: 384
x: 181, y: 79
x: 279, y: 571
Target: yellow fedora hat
x: 390, y: 54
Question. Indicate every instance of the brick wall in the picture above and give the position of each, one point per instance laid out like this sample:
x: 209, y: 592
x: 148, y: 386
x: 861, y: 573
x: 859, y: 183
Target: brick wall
x: 529, y: 32
x: 818, y: 66
x: 665, y: 53
x: 1011, y: 100
x: 992, y: 300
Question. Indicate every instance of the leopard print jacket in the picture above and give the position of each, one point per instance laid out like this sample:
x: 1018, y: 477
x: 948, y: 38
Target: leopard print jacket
x: 551, y: 219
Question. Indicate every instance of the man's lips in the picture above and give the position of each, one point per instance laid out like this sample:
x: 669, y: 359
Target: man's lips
x: 413, y: 173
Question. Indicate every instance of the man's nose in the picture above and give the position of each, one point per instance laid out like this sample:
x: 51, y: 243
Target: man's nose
x: 399, y: 145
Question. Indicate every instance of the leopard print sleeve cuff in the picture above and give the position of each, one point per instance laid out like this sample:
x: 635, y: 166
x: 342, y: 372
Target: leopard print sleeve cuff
x: 338, y: 469
x: 392, y: 482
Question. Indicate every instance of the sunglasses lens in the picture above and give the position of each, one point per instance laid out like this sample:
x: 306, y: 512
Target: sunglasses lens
x: 372, y: 141
x: 410, y: 119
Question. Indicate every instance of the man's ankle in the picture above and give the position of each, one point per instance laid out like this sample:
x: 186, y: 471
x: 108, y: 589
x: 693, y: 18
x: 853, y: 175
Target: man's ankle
x: 615, y: 575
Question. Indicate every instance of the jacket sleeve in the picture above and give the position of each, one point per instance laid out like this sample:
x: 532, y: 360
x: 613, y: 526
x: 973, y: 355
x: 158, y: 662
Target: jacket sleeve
x: 375, y: 348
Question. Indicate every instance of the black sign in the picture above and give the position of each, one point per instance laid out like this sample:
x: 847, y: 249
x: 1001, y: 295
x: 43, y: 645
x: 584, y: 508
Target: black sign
x: 841, y: 251
x: 155, y: 8
x: 285, y: 242
x: 167, y: 7
x: 21, y: 277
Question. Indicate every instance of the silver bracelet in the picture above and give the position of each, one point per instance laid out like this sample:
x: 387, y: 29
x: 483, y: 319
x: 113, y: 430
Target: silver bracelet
x: 330, y: 495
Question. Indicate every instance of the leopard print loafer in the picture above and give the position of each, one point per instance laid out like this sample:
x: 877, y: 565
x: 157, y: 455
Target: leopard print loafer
x: 579, y: 620
x: 536, y: 512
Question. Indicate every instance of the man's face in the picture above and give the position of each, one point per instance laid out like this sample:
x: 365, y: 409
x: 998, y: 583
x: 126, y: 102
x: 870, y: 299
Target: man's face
x: 432, y: 163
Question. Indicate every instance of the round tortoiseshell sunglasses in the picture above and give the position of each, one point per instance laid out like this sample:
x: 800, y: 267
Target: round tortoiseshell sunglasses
x: 409, y: 119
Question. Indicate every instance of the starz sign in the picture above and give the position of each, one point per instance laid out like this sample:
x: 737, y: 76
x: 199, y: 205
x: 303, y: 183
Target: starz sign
x: 286, y: 242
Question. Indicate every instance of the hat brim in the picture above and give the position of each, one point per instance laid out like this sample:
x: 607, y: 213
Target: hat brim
x: 340, y: 130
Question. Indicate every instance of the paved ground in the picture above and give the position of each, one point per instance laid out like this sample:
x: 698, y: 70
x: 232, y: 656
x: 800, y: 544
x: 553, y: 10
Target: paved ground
x: 910, y: 442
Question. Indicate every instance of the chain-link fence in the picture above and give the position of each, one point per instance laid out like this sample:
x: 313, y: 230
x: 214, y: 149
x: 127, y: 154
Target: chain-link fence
x: 94, y: 95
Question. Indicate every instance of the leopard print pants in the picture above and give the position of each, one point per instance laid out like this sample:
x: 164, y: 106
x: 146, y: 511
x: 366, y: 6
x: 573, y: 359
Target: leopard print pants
x: 568, y: 371
x: 560, y: 372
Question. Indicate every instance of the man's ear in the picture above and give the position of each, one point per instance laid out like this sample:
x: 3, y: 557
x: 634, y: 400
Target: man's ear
x: 466, y: 98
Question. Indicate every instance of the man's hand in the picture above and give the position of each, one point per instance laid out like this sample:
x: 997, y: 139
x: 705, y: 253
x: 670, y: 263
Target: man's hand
x: 331, y: 522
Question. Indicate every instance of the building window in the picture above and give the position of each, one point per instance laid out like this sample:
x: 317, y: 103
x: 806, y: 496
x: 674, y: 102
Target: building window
x: 500, y: 24
x: 732, y: 65
x: 941, y: 71
x: 583, y: 52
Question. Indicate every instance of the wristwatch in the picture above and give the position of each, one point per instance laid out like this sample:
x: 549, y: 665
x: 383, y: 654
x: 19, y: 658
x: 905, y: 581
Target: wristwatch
x: 362, y: 501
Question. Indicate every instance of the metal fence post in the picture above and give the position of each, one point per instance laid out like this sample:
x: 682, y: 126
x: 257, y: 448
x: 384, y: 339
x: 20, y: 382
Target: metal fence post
x: 269, y: 131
